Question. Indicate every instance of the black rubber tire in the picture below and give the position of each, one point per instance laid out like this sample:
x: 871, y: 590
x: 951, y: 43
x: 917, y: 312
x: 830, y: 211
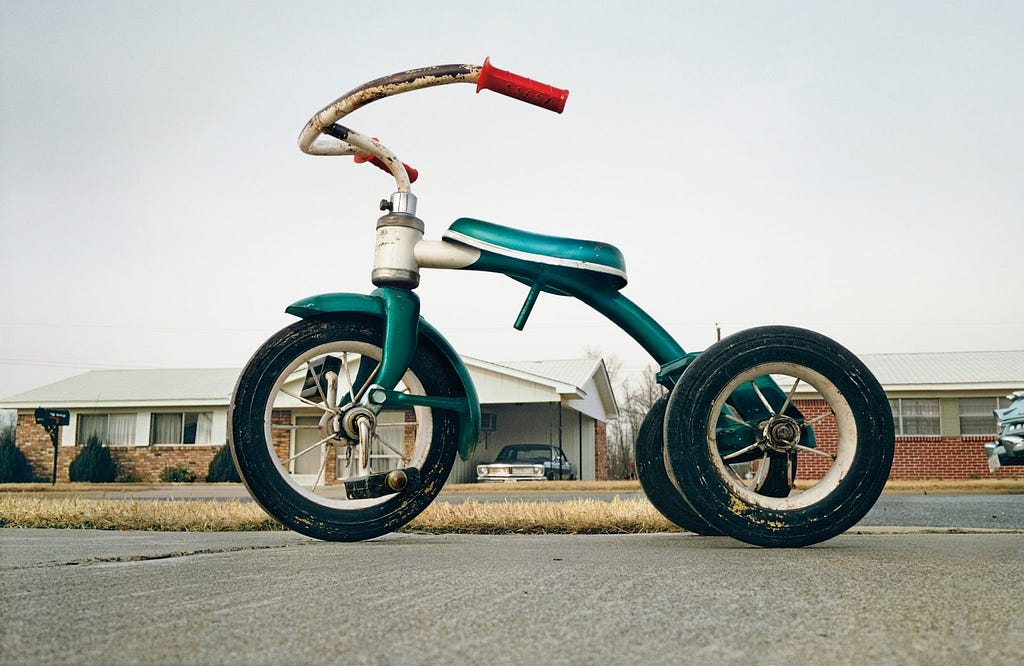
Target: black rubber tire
x: 649, y: 457
x: 264, y: 475
x: 864, y: 428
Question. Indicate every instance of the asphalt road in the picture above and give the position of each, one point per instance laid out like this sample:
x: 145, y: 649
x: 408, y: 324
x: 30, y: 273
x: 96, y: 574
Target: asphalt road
x: 88, y: 597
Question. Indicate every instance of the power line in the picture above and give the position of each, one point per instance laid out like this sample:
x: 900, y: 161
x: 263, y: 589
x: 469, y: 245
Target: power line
x: 135, y: 327
x: 85, y: 365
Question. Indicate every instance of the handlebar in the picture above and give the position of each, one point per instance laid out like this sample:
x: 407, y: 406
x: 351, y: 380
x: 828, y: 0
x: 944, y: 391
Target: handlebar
x: 345, y: 141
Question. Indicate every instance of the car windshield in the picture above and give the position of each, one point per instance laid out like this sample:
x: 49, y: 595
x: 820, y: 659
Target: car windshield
x: 525, y: 454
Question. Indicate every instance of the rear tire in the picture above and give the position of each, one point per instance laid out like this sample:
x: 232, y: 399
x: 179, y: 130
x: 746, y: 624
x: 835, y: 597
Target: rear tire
x: 649, y: 456
x: 850, y: 422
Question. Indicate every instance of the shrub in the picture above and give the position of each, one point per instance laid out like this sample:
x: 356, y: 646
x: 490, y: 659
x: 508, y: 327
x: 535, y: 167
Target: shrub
x: 177, y: 474
x: 93, y: 464
x: 14, y: 467
x: 222, y: 468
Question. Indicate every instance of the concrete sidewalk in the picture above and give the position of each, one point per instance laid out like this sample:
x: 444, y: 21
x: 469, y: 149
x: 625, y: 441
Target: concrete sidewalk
x: 86, y: 597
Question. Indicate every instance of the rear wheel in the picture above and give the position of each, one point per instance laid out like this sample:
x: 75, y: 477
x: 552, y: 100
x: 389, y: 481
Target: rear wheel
x: 309, y: 471
x: 736, y: 402
x: 649, y: 455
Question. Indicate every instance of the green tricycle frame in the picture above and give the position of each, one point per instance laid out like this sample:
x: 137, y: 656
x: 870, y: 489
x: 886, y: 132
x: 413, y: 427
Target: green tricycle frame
x: 718, y: 455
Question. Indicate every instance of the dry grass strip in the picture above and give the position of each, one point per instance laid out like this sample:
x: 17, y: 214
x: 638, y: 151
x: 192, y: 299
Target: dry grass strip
x: 586, y: 516
x: 150, y: 515
x: 47, y: 507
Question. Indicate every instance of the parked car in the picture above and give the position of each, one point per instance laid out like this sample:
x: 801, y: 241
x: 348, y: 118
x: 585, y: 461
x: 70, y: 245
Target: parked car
x: 527, y: 462
x: 1008, y: 449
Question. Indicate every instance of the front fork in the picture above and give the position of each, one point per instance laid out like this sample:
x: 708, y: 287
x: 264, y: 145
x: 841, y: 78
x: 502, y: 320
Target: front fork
x: 353, y: 419
x: 358, y: 419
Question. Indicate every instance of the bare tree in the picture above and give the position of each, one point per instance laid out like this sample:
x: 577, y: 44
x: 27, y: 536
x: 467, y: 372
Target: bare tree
x: 634, y: 396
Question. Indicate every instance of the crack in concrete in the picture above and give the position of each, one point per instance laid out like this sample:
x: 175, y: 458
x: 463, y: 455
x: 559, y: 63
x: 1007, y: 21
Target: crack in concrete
x: 123, y: 559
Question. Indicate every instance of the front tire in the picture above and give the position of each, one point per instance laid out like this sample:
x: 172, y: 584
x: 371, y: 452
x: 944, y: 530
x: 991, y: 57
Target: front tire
x: 842, y: 435
x: 275, y: 429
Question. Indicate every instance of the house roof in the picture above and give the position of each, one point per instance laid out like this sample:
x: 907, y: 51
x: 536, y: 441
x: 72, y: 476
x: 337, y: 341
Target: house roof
x: 202, y: 386
x: 557, y: 384
x: 571, y: 371
x: 213, y: 387
x: 584, y: 373
x: 948, y: 370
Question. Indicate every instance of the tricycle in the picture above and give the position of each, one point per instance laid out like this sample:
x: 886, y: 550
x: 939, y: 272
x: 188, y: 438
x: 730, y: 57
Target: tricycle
x: 345, y: 424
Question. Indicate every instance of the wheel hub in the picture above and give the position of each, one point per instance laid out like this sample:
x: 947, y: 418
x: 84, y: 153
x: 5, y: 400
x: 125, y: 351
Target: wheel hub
x: 781, y: 434
x: 353, y: 418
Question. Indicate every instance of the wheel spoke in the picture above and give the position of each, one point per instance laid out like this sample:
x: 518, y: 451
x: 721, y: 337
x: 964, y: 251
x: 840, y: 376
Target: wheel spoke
x: 316, y: 380
x: 817, y: 452
x: 760, y: 474
x: 385, y: 444
x: 789, y: 396
x: 348, y: 377
x: 306, y: 401
x: 764, y: 400
x: 737, y: 454
x: 320, y: 472
x: 730, y: 413
x: 819, y: 418
x: 307, y: 450
x: 369, y: 379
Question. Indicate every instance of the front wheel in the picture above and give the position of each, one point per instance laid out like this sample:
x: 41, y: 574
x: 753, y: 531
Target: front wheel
x: 774, y: 396
x: 311, y: 474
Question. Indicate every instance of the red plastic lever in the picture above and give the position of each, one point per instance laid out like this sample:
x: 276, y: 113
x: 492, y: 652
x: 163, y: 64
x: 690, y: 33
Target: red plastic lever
x: 375, y: 161
x: 521, y: 88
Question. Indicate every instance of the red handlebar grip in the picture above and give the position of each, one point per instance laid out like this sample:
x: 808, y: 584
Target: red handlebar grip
x: 413, y: 173
x: 521, y: 88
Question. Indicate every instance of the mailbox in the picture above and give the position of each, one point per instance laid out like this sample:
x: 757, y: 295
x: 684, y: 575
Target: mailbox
x: 52, y: 417
x: 52, y: 420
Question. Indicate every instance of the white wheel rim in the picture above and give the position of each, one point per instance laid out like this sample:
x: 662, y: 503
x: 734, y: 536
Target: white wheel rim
x: 845, y: 428
x: 332, y: 495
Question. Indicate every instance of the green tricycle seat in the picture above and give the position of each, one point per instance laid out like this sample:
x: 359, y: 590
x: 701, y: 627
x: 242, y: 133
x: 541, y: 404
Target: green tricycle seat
x: 603, y: 260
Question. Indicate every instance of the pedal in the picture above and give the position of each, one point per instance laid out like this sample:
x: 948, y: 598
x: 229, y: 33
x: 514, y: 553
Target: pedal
x: 385, y: 483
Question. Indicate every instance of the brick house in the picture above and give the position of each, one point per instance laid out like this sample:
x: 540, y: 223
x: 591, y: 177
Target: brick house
x: 153, y: 419
x: 942, y: 408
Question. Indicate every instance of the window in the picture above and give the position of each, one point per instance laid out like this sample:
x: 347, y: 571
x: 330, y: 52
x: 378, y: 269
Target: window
x: 108, y: 429
x: 916, y: 416
x: 976, y: 417
x: 181, y: 428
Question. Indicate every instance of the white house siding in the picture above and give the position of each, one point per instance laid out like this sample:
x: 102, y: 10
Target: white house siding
x: 591, y: 403
x: 494, y: 388
x: 587, y: 429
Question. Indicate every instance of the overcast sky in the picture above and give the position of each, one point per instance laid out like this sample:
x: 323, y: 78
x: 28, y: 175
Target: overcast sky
x: 852, y: 167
